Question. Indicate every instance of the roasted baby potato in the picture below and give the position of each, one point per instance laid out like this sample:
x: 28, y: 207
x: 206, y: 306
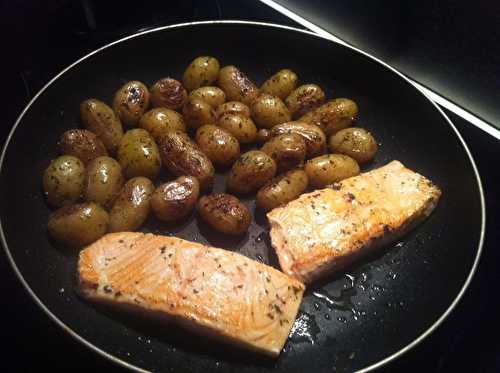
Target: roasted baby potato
x: 83, y: 144
x: 201, y: 71
x: 197, y: 113
x: 237, y: 86
x: 263, y: 135
x: 330, y: 168
x: 282, y: 189
x: 218, y: 144
x: 131, y: 208
x: 305, y: 98
x: 130, y: 102
x: 268, y: 111
x: 181, y: 156
x: 100, y: 119
x: 313, y: 136
x: 63, y: 181
x: 288, y: 151
x: 280, y: 84
x: 233, y: 107
x: 169, y: 93
x: 214, y: 96
x: 103, y: 181
x: 162, y: 120
x: 176, y: 199
x: 240, y: 127
x: 138, y: 154
x: 251, y: 171
x: 78, y: 225
x: 355, y: 142
x: 332, y: 116
x: 225, y: 213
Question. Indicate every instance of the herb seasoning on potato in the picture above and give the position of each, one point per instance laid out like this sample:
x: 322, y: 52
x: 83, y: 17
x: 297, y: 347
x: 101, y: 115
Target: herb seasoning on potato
x: 305, y: 98
x: 232, y: 107
x: 237, y: 86
x: 225, y: 213
x: 130, y: 102
x: 197, y: 113
x: 313, y: 136
x: 176, y: 199
x: 162, y: 120
x: 201, y: 71
x: 282, y: 189
x: 240, y: 127
x: 63, y: 181
x: 82, y: 144
x: 131, y: 208
x: 268, y: 111
x: 168, y: 93
x: 138, y: 154
x: 99, y: 118
x: 357, y: 143
x: 280, y: 84
x: 330, y: 168
x: 214, y: 96
x: 332, y: 116
x: 181, y: 156
x: 103, y: 181
x: 218, y: 144
x: 288, y: 150
x: 251, y: 171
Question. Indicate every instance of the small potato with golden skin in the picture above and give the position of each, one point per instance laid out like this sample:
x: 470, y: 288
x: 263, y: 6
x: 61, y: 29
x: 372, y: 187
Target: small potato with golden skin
x: 355, y: 142
x: 181, y: 156
x: 304, y: 98
x: 330, y: 168
x: 218, y: 144
x: 81, y: 144
x: 162, y: 120
x: 236, y: 85
x: 78, y: 225
x: 250, y: 172
x: 241, y: 127
x: 103, y: 181
x: 64, y: 180
x: 214, y: 96
x: 130, y: 102
x: 280, y: 84
x: 225, y: 213
x: 99, y: 118
x: 288, y: 151
x: 176, y: 199
x: 282, y: 189
x: 197, y: 113
x: 332, y: 116
x: 268, y: 111
x: 131, y: 208
x: 138, y: 154
x: 202, y: 71
x: 313, y: 136
x: 232, y: 107
x: 168, y: 93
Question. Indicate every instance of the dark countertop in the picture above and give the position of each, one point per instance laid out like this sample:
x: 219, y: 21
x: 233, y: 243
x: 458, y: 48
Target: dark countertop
x: 465, y: 342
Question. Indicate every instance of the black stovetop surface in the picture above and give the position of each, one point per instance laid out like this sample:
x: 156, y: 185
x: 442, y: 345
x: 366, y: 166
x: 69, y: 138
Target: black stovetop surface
x: 41, y: 40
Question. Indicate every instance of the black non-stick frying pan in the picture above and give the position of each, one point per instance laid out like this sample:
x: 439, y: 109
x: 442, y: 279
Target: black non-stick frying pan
x: 355, y: 321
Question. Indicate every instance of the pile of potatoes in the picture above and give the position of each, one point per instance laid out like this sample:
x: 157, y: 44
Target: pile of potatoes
x: 104, y: 179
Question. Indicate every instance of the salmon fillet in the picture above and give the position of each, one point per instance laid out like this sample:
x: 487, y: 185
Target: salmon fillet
x: 210, y: 291
x: 324, y: 231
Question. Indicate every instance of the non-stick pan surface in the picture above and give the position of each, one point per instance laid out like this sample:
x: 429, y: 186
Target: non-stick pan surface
x: 379, y: 309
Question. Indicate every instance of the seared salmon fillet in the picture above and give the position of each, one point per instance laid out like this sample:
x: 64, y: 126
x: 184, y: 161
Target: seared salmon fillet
x: 210, y: 291
x: 324, y: 231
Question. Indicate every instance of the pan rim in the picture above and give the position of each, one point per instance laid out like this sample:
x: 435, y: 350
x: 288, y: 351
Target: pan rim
x: 130, y: 366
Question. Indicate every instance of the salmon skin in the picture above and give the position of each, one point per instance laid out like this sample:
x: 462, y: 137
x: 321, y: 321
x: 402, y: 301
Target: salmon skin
x: 324, y: 231
x: 210, y: 291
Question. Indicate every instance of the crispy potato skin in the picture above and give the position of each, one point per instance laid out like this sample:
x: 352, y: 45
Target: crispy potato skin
x: 355, y: 142
x: 225, y: 213
x: 330, y: 168
x: 237, y: 86
x: 130, y: 102
x: 282, y: 189
x: 202, y: 71
x: 251, y: 171
x: 176, y: 199
x: 64, y: 180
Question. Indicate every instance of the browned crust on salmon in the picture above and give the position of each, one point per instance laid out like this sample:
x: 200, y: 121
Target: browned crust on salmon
x: 324, y: 231
x: 210, y: 291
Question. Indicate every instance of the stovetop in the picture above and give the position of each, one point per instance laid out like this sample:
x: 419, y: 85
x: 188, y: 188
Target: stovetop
x: 40, y: 40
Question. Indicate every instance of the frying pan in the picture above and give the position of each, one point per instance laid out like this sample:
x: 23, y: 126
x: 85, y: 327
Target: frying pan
x: 359, y: 320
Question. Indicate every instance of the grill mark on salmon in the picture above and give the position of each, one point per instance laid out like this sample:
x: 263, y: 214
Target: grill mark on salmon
x: 210, y: 291
x: 324, y: 231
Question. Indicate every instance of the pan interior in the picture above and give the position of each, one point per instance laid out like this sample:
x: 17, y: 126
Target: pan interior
x: 350, y: 321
